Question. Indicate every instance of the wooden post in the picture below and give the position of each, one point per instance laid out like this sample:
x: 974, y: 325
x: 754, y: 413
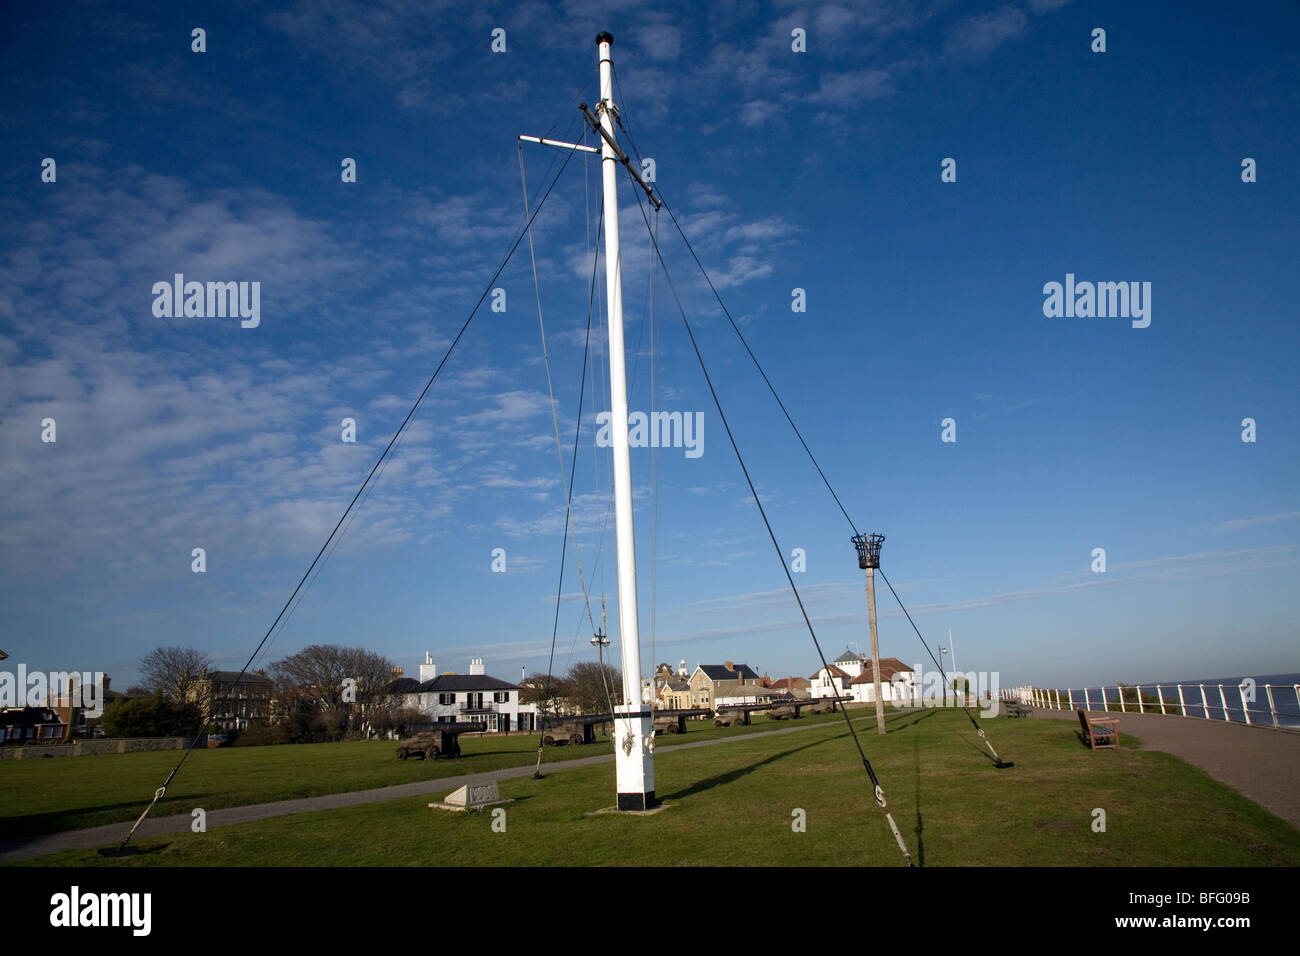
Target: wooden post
x: 875, y: 650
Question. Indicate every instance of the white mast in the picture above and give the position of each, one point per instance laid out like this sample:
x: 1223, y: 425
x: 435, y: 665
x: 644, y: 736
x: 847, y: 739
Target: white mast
x: 633, y: 736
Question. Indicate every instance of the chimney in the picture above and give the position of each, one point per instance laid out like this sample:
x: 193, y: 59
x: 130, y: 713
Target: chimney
x: 428, y: 670
x: 730, y: 665
x: 476, y: 666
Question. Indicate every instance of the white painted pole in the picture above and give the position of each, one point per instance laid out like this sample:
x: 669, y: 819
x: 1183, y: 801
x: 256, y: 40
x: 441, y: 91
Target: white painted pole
x: 1182, y: 703
x: 1205, y: 704
x: 1272, y: 708
x: 1160, y: 694
x: 633, y: 738
x: 1141, y: 709
x: 1105, y: 703
x: 1224, y: 701
x: 1087, y: 704
x: 1245, y: 709
x: 953, y: 651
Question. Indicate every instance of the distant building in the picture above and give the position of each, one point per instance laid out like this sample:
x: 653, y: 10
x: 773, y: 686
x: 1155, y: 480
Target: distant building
x: 897, y: 682
x: 67, y: 705
x: 233, y: 700
x: 475, y: 697
x: 728, y: 692
x: 31, y: 725
x: 704, y: 681
x: 792, y: 686
x: 829, y: 681
x: 675, y: 695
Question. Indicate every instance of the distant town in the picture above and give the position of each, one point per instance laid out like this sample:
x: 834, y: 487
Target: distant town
x: 328, y: 692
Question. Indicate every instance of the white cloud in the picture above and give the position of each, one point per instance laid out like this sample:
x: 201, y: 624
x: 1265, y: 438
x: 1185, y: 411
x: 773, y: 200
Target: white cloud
x: 977, y: 37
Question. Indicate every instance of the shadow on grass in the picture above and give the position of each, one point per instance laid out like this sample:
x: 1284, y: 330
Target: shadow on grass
x: 24, y: 829
x: 733, y: 775
x: 915, y: 719
x: 112, y: 852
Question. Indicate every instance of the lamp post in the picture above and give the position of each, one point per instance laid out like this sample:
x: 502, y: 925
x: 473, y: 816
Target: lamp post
x: 943, y: 651
x: 868, y: 548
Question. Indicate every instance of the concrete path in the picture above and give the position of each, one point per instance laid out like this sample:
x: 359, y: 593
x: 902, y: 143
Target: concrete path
x: 1260, y: 762
x: 27, y: 848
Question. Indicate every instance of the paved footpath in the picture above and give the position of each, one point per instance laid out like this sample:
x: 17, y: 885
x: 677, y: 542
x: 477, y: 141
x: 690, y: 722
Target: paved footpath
x: 26, y: 848
x: 1260, y: 762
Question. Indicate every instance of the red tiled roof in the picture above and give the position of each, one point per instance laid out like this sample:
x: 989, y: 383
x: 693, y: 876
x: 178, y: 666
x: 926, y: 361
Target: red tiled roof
x: 832, y: 670
x: 889, y: 668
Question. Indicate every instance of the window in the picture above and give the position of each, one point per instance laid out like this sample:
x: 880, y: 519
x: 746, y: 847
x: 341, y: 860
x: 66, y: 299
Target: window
x: 446, y: 699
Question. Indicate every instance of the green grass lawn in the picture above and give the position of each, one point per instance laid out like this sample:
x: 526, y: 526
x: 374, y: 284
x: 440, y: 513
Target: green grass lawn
x: 67, y: 793
x: 732, y: 804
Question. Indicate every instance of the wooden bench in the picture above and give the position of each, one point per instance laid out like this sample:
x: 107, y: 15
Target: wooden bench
x: 1099, y: 733
x: 1018, y: 710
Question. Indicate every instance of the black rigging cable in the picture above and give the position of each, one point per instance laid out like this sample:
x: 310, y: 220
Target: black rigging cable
x: 811, y: 457
x: 161, y: 791
x: 879, y: 793
x: 568, y: 511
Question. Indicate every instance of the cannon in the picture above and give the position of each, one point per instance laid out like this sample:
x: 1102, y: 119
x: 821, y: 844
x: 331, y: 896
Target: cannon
x: 565, y: 732
x: 670, y: 725
x: 440, y: 741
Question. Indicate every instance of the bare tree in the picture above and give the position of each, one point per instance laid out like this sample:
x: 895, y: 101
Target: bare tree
x: 330, y: 677
x: 590, y: 690
x: 542, y: 688
x: 179, y: 674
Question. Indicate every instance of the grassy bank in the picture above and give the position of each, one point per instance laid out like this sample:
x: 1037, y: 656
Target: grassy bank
x: 733, y: 804
x: 45, y: 796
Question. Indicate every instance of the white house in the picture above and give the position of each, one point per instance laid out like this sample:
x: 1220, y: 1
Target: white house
x: 829, y: 681
x: 476, y: 696
x: 897, y: 683
x: 851, y: 676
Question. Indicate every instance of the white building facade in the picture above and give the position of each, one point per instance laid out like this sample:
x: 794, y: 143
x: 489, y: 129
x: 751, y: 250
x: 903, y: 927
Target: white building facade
x: 474, y: 697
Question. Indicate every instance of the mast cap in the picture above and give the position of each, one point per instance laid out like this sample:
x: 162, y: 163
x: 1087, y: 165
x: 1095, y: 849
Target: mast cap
x: 605, y: 37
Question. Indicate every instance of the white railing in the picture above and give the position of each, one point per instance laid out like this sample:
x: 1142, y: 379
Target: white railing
x: 1283, y: 710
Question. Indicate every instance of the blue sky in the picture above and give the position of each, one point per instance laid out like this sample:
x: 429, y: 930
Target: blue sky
x: 816, y: 170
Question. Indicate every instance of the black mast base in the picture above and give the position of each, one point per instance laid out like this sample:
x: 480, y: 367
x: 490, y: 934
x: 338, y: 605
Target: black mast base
x: 636, y: 801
